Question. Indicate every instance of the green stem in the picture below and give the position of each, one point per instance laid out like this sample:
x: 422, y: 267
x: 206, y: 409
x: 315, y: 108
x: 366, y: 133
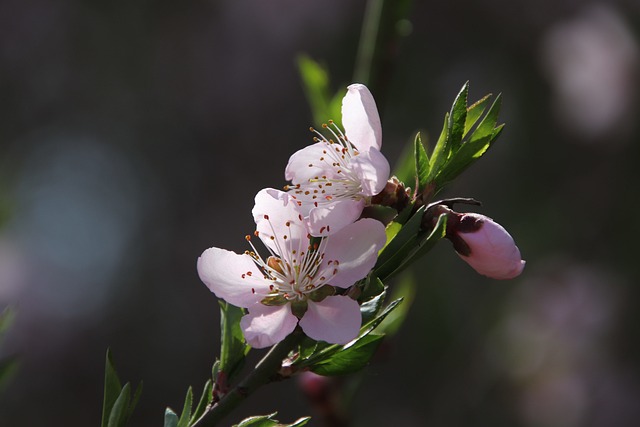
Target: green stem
x: 368, y: 37
x: 266, y: 371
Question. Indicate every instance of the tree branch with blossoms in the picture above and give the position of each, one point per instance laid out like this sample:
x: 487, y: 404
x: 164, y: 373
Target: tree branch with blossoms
x: 312, y: 285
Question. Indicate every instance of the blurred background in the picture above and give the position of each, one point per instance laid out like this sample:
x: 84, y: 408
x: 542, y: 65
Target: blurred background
x: 134, y: 135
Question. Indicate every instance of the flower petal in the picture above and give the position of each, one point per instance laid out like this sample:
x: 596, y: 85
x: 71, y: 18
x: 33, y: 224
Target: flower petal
x: 305, y: 164
x: 336, y: 320
x: 360, y: 118
x: 276, y: 216
x: 333, y: 217
x: 266, y: 325
x: 353, y: 252
x: 373, y: 170
x: 232, y: 277
x: 493, y: 252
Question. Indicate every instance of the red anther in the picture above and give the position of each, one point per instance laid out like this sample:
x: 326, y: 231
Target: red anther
x: 266, y: 217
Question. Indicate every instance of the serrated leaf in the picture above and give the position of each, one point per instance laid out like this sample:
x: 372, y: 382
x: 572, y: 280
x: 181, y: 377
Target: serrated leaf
x: 350, y: 360
x: 170, y: 418
x: 457, y: 118
x: 119, y: 411
x: 421, y: 163
x: 112, y: 389
x: 268, y: 421
x: 205, y: 400
x: 474, y: 112
x: 185, y: 415
x: 441, y: 150
x: 233, y: 347
x: 488, y: 123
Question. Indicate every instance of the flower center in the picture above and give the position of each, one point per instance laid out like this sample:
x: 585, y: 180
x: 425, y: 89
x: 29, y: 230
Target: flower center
x: 295, y: 267
x: 339, y: 182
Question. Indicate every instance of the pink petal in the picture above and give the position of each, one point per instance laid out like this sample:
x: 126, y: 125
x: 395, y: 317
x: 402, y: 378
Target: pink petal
x: 355, y: 248
x: 232, y: 277
x: 266, y: 325
x: 276, y: 215
x: 305, y: 164
x: 360, y: 118
x: 373, y: 170
x: 333, y: 217
x: 493, y: 252
x: 336, y: 320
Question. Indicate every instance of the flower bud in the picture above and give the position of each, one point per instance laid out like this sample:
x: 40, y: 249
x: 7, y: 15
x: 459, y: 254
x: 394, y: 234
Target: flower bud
x: 486, y: 246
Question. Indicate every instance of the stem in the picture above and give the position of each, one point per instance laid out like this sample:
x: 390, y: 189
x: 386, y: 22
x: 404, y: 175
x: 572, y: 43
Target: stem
x: 368, y: 37
x: 266, y: 371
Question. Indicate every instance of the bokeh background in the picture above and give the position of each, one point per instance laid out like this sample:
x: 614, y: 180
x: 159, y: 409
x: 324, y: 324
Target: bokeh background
x: 134, y: 135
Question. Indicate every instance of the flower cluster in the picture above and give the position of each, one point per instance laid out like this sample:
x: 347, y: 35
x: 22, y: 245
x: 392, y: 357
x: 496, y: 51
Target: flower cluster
x: 318, y: 244
x: 315, y: 241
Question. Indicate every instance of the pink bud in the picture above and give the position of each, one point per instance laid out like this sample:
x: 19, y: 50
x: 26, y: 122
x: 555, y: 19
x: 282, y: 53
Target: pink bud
x: 490, y: 249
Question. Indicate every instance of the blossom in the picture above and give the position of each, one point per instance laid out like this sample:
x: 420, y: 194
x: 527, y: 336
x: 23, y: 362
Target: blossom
x: 335, y: 178
x: 487, y: 247
x: 296, y: 283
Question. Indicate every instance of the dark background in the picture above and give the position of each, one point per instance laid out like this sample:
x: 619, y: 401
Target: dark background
x: 134, y: 135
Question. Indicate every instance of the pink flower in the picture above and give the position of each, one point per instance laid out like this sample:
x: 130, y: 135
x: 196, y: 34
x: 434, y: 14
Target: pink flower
x: 335, y: 178
x: 291, y: 286
x: 488, y: 247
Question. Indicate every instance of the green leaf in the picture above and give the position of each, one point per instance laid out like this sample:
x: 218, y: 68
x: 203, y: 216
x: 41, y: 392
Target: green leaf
x: 185, y: 415
x: 120, y: 410
x: 474, y: 113
x: 315, y: 79
x: 370, y: 308
x: 457, y: 118
x: 7, y: 317
x: 205, y: 400
x: 427, y: 242
x: 233, y: 347
x: 441, y: 151
x: 134, y: 401
x: 8, y: 368
x: 268, y: 421
x: 487, y: 125
x: 112, y: 389
x: 421, y: 163
x: 400, y: 247
x: 352, y: 359
x: 170, y: 418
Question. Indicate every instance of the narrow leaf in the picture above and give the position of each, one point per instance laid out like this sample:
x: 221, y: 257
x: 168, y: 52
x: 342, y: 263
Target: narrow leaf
x: 185, y: 415
x: 119, y: 411
x: 441, y: 151
x: 369, y: 309
x: 134, y: 401
x: 457, y: 118
x: 474, y: 112
x: 405, y: 289
x: 112, y: 389
x: 170, y: 418
x: 421, y: 163
x: 233, y: 348
x: 315, y: 80
x: 205, y: 400
x: 488, y: 123
x: 350, y: 360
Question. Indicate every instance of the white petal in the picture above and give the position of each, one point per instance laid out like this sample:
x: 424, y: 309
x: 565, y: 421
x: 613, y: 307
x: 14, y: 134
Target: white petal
x: 355, y: 248
x: 373, y: 169
x: 266, y: 325
x: 305, y: 164
x: 232, y: 277
x: 276, y: 215
x: 333, y: 217
x: 336, y: 320
x: 360, y: 118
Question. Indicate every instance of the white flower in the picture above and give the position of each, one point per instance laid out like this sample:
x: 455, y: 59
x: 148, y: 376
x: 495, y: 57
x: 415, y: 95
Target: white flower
x: 335, y: 178
x: 291, y: 286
